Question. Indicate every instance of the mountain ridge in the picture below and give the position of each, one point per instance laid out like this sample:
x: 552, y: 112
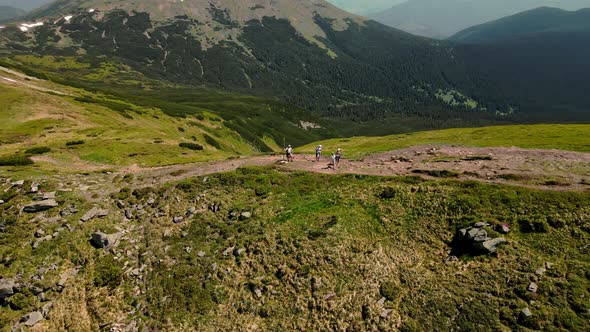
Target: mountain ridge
x: 541, y: 20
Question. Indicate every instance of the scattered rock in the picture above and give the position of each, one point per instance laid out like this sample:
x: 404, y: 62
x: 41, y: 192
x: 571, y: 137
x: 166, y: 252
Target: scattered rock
x: 32, y: 319
x: 35, y: 187
x: 39, y: 233
x: 40, y: 206
x: 540, y: 271
x: 6, y: 288
x: 526, y: 313
x: 201, y: 254
x: 548, y: 265
x: 90, y: 214
x: 245, y: 215
x: 101, y: 240
x: 46, y: 308
x: 18, y: 183
x: 481, y: 224
x: 228, y: 251
x: 102, y: 213
x: 533, y: 287
x: 503, y: 228
x: 491, y: 245
x: 120, y: 204
x: 192, y: 210
x: 385, y: 313
x: 258, y: 292
x: 178, y: 220
x: 188, y: 249
x: 214, y: 207
x: 1, y: 201
x: 128, y: 214
x: 240, y: 251
x: 151, y: 201
x: 49, y: 195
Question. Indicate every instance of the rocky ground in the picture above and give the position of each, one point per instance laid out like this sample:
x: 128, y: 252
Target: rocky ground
x: 118, y: 246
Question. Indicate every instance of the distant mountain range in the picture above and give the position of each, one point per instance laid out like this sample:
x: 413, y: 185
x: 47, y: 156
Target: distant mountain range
x: 7, y: 12
x: 444, y: 18
x: 544, y: 21
x: 364, y: 7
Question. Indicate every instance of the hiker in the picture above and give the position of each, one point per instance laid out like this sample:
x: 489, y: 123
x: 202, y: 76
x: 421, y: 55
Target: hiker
x: 318, y: 153
x: 337, y: 157
x: 289, y: 153
x: 333, y: 157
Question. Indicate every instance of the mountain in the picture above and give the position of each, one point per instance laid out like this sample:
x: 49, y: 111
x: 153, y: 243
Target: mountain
x: 443, y: 18
x: 540, y: 21
x: 309, y: 53
x: 366, y: 6
x: 364, y: 76
x: 24, y: 4
x: 538, y: 57
x: 7, y: 12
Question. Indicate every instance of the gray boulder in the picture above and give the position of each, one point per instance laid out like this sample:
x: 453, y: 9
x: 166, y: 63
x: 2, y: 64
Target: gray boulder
x: 177, y: 220
x: 526, y: 313
x: 40, y: 206
x: 491, y: 245
x: 32, y: 319
x: 102, y: 240
x: 245, y: 215
x: 6, y: 288
x: 90, y: 214
x: 533, y: 287
x: 49, y: 195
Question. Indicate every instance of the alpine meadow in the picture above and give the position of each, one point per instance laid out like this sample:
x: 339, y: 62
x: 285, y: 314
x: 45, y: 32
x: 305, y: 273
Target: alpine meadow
x: 285, y: 165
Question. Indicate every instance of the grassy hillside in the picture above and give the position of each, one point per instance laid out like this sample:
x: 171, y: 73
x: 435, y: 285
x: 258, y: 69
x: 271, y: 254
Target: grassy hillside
x: 316, y: 252
x: 129, y: 125
x: 564, y: 137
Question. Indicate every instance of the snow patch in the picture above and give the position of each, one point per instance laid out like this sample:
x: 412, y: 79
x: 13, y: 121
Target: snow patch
x: 24, y: 27
x: 91, y: 10
x: 68, y: 18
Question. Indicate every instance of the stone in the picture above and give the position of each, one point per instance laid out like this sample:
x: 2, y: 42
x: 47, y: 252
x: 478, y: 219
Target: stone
x: 101, y: 240
x: 178, y: 220
x: 188, y: 249
x: 102, y: 213
x: 548, y: 265
x: 503, y: 228
x: 490, y: 246
x: 6, y: 288
x: 214, y: 207
x: 34, y: 187
x: 39, y: 233
x: 191, y: 210
x: 239, y: 252
x: 245, y: 215
x: 128, y: 214
x: 257, y: 292
x: 540, y: 271
x: 201, y: 254
x: 227, y: 251
x: 32, y: 319
x: 481, y: 224
x: 385, y: 313
x: 46, y: 307
x: 90, y: 214
x: 1, y: 201
x: 533, y: 287
x: 18, y: 183
x: 49, y: 195
x: 151, y: 201
x: 476, y: 233
x: 40, y: 206
x: 526, y: 313
x: 120, y: 204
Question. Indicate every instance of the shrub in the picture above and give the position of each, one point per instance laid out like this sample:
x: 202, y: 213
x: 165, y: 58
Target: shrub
x: 37, y: 150
x: 15, y: 160
x: 211, y: 141
x: 387, y: 193
x: 72, y: 143
x: 191, y: 146
x: 107, y: 273
x: 436, y: 173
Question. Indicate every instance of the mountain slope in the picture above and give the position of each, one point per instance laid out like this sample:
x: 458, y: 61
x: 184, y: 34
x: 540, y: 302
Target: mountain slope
x: 443, y: 18
x: 8, y: 12
x: 543, y: 20
x: 365, y: 7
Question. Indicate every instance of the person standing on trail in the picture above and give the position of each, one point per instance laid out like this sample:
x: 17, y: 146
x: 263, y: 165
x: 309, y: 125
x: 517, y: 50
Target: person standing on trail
x: 318, y: 153
x: 289, y: 153
x: 338, y: 156
x: 333, y: 157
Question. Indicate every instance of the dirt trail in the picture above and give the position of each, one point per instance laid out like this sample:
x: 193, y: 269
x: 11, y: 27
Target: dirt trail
x: 543, y: 169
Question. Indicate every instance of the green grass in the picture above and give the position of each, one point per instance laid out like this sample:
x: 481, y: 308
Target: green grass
x: 572, y: 137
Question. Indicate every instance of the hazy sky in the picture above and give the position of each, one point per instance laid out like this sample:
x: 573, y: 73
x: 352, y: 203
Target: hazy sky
x: 365, y: 6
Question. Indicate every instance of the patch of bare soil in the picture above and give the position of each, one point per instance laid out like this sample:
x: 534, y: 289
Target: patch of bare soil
x: 543, y: 169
